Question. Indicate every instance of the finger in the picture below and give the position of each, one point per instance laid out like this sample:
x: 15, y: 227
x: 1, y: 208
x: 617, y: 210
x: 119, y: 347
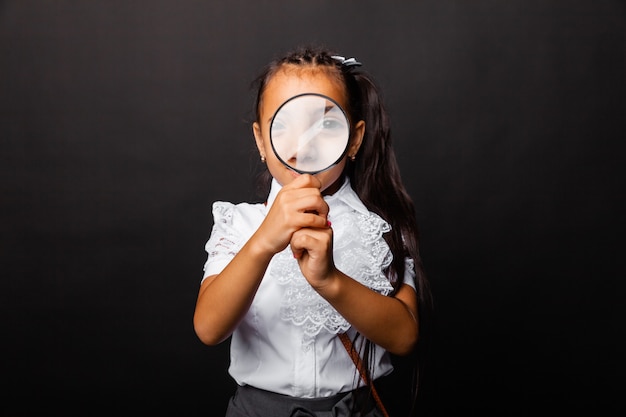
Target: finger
x: 307, y: 200
x: 314, y: 203
x: 304, y: 181
x: 314, y: 241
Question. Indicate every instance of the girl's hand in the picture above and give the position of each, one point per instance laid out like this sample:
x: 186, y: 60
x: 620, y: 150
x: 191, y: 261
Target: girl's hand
x: 298, y: 205
x: 313, y: 248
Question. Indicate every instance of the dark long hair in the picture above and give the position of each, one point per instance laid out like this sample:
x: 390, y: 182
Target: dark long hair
x: 374, y: 174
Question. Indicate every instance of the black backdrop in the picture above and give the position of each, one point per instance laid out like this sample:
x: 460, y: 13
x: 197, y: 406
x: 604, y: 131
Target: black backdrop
x: 121, y: 122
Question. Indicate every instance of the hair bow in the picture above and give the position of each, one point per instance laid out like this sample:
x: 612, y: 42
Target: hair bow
x: 349, y: 62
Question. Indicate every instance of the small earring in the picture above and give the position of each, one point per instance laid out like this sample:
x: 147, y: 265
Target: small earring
x: 263, y: 158
x: 352, y: 157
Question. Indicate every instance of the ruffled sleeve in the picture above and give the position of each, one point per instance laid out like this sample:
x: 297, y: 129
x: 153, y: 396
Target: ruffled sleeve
x: 409, y: 272
x: 225, y: 241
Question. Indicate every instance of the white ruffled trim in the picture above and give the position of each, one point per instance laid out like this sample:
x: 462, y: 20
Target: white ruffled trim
x: 225, y: 244
x: 359, y: 251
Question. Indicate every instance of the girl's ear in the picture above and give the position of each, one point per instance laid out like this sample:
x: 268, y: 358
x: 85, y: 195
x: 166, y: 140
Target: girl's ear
x: 258, y: 138
x: 357, y: 138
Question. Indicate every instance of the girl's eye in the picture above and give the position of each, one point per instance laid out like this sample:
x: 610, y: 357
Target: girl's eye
x: 277, y: 127
x: 331, y: 124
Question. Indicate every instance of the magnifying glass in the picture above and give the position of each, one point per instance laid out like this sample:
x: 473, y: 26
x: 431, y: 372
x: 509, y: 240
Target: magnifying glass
x: 309, y: 133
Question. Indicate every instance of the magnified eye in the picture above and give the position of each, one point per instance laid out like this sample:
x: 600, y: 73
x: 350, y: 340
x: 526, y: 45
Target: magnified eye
x: 278, y: 128
x: 332, y: 124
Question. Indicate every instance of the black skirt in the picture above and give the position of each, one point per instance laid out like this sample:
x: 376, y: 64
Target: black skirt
x: 252, y: 402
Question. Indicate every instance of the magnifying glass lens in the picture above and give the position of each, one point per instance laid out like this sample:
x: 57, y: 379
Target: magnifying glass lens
x: 309, y: 133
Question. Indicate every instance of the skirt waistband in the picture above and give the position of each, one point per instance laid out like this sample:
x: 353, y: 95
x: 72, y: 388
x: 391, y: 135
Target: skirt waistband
x: 252, y: 402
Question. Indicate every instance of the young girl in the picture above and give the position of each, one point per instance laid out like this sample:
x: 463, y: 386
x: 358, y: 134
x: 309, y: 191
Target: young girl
x: 325, y: 256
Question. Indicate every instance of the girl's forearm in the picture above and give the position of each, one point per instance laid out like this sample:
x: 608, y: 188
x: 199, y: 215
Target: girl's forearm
x: 224, y: 299
x: 390, y: 322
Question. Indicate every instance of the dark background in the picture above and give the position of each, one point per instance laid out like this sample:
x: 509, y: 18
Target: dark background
x: 122, y: 121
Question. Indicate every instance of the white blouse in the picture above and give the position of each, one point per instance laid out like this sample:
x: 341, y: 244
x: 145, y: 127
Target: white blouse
x: 287, y: 341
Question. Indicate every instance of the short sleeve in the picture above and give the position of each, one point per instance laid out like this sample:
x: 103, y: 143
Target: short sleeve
x: 409, y: 272
x: 224, y: 242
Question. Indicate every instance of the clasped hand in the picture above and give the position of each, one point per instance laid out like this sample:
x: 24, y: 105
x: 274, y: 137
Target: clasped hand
x: 299, y: 218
